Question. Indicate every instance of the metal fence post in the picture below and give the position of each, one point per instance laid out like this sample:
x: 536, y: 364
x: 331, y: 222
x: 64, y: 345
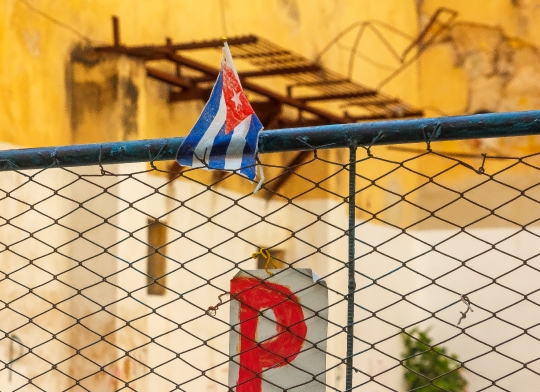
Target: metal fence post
x: 350, y: 265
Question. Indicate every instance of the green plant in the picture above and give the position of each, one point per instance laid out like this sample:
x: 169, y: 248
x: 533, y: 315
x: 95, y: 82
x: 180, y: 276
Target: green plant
x: 428, y: 368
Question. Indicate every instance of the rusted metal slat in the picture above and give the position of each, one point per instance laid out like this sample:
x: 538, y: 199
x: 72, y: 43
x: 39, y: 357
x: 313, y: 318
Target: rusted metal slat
x: 268, y: 72
x: 161, y: 50
x: 248, y: 85
x: 373, y: 102
x: 263, y: 54
x: 336, y: 96
x: 323, y: 82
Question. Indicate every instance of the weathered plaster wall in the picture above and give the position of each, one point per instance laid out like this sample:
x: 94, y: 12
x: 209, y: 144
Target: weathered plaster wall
x: 108, y: 98
x: 487, y: 61
x: 38, y: 39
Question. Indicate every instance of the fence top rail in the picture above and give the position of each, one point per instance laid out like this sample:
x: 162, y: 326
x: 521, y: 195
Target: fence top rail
x: 293, y: 139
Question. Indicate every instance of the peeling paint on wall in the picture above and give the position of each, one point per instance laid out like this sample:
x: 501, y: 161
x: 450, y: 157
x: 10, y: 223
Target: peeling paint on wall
x: 502, y: 71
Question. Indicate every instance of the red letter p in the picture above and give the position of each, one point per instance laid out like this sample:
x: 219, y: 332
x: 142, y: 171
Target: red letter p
x: 255, y: 295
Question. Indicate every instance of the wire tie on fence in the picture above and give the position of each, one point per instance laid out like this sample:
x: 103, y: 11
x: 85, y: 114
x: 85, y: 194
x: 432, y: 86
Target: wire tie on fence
x: 55, y: 161
x: 301, y: 140
x: 203, y: 158
x: 460, y: 162
x: 156, y: 157
x: 466, y: 165
x: 266, y: 254
x: 466, y: 301
x: 309, y: 145
x: 212, y: 310
x: 481, y: 168
x: 428, y: 142
x: 103, y: 171
x: 368, y: 149
x: 436, y: 133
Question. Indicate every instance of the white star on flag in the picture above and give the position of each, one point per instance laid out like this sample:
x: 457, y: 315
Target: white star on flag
x: 236, y: 100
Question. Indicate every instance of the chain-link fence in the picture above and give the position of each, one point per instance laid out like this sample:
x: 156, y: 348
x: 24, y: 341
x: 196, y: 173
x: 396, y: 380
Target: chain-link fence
x: 118, y: 278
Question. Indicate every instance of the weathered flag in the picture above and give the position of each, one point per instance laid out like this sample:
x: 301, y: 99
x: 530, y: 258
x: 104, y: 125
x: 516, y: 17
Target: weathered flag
x: 226, y: 134
x: 279, y: 331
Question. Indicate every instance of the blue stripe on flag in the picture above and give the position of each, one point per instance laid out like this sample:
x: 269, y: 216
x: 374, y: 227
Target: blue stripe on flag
x: 252, y: 137
x: 185, y: 153
x: 219, y: 149
x: 248, y: 164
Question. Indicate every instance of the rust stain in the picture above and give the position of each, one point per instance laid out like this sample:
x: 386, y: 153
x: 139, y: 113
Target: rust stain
x: 127, y: 368
x: 99, y: 352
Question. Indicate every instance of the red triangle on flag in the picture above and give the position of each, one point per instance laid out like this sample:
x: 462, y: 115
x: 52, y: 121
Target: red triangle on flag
x: 238, y: 107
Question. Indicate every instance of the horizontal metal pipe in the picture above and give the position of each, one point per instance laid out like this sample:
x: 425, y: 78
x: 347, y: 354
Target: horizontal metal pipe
x: 293, y: 139
x: 475, y: 126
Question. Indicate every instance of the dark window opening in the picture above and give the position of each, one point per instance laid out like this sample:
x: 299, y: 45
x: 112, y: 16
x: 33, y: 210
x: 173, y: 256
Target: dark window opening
x: 157, y: 262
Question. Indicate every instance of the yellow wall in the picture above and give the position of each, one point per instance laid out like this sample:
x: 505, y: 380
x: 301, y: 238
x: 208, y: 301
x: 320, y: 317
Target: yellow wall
x: 38, y: 37
x: 485, y: 61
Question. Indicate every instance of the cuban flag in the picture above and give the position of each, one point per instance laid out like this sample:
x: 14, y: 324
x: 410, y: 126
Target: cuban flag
x: 226, y: 134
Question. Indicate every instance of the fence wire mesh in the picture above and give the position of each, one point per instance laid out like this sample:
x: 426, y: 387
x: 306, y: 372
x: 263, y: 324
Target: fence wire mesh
x: 107, y: 276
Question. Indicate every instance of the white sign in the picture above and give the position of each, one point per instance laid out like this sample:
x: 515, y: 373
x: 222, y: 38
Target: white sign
x: 279, y: 331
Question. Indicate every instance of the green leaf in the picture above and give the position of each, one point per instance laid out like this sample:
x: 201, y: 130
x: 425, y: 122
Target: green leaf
x: 429, y: 368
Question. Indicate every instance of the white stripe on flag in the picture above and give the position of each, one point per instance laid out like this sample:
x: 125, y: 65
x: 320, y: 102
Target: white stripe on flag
x: 235, y: 151
x: 228, y: 56
x: 204, y: 147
